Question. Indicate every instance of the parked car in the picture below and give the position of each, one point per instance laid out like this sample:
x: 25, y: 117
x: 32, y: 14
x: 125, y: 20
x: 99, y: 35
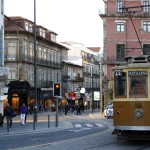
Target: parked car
x: 108, y: 112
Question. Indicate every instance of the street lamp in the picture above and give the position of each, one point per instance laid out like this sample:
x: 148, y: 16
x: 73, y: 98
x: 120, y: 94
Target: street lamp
x: 101, y: 90
x: 35, y: 63
x: 92, y: 91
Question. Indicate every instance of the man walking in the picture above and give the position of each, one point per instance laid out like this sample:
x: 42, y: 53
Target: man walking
x: 23, y: 111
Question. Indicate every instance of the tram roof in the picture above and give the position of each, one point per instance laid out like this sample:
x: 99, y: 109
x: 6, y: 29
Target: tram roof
x: 138, y: 59
x: 136, y: 62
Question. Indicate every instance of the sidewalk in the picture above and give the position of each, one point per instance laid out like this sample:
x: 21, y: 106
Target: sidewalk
x: 42, y: 124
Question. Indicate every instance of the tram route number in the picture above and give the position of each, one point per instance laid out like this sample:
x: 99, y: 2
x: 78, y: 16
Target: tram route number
x: 118, y: 72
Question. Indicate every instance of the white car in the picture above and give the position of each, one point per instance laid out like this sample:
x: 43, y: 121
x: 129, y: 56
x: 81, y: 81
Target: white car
x: 108, y: 112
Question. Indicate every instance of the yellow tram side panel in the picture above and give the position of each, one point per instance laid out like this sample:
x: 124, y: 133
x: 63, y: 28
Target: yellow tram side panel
x: 124, y: 107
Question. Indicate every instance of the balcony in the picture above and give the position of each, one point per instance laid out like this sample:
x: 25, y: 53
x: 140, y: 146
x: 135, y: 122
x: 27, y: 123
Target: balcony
x: 72, y: 79
x: 113, y: 61
x: 88, y: 74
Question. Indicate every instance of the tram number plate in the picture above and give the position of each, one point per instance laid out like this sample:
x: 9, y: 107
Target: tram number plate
x: 118, y: 72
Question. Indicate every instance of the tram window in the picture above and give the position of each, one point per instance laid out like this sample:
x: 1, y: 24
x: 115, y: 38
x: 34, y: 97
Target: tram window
x: 138, y: 86
x: 120, y: 85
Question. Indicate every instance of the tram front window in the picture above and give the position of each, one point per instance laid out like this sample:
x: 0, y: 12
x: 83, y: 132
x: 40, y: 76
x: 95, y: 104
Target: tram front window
x: 138, y: 86
x: 120, y: 85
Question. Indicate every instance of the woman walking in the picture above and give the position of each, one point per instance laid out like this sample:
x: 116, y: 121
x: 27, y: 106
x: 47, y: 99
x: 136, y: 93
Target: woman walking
x: 23, y: 111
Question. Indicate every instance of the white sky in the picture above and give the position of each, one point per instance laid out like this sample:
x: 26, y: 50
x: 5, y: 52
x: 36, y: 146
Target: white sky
x: 72, y: 20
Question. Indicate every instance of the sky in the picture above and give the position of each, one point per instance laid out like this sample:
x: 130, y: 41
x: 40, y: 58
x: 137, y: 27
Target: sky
x: 72, y: 20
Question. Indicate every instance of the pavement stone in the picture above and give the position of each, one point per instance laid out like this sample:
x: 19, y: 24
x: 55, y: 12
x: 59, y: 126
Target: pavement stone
x: 42, y: 124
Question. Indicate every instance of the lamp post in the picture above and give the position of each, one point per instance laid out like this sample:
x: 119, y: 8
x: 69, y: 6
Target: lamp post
x: 35, y: 63
x: 92, y: 91
x: 101, y: 90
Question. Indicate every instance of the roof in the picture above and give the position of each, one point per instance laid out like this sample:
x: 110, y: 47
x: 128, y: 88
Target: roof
x: 94, y: 49
x: 80, y: 46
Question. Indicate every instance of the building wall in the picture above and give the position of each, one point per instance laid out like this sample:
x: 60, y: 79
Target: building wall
x: 134, y: 37
x: 128, y: 37
x: 19, y: 57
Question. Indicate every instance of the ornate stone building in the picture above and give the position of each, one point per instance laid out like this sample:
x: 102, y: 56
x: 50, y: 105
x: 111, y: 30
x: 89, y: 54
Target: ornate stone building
x: 19, y: 57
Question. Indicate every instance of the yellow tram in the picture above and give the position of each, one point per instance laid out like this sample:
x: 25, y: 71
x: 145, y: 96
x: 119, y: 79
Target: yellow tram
x: 131, y: 93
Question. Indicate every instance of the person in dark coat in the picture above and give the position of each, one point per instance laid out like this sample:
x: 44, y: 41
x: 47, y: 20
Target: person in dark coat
x: 8, y: 113
x: 66, y: 109
x: 78, y: 110
x: 1, y: 120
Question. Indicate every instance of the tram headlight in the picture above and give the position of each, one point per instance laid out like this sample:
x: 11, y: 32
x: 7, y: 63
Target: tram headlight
x: 138, y: 112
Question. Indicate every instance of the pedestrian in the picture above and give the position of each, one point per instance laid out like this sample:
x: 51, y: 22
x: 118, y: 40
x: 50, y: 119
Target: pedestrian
x: 66, y: 109
x: 40, y: 108
x: 26, y: 116
x: 78, y: 110
x: 8, y: 113
x: 23, y: 112
x: 1, y: 120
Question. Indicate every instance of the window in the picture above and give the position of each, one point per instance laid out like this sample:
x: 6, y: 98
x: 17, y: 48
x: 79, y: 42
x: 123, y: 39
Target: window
x: 53, y: 38
x: 52, y: 56
x: 119, y: 6
x: 48, y: 54
x: 26, y: 49
x: 39, y: 77
x: 146, y: 26
x: 39, y: 52
x: 12, y: 74
x: 26, y: 72
x: 138, y: 86
x: 26, y: 26
x: 120, y: 54
x: 30, y: 28
x: 42, y: 33
x: 26, y: 55
x: 120, y: 85
x: 31, y: 73
x: 11, y: 50
x: 31, y: 51
x: 146, y: 8
x: 44, y: 52
x: 146, y: 49
x: 120, y: 26
x: 55, y: 56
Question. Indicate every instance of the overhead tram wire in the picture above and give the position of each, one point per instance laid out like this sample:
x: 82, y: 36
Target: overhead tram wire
x: 129, y: 13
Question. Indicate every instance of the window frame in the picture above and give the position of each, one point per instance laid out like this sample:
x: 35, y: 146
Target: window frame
x: 120, y: 54
x: 120, y: 26
x: 145, y: 9
x: 138, y: 88
x: 123, y: 77
x: 119, y: 5
x: 146, y: 26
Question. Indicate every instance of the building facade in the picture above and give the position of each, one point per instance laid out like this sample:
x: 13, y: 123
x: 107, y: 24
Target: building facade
x: 19, y: 57
x: 90, y: 76
x: 126, y: 26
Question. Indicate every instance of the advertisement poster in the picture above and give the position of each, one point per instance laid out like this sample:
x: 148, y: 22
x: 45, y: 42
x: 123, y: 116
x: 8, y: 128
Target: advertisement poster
x: 96, y: 95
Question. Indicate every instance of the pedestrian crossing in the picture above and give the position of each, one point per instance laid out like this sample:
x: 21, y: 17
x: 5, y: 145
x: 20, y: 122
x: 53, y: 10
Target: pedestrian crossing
x: 89, y: 125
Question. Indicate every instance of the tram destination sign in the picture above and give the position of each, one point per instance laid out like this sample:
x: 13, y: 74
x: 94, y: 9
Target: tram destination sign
x: 137, y: 73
